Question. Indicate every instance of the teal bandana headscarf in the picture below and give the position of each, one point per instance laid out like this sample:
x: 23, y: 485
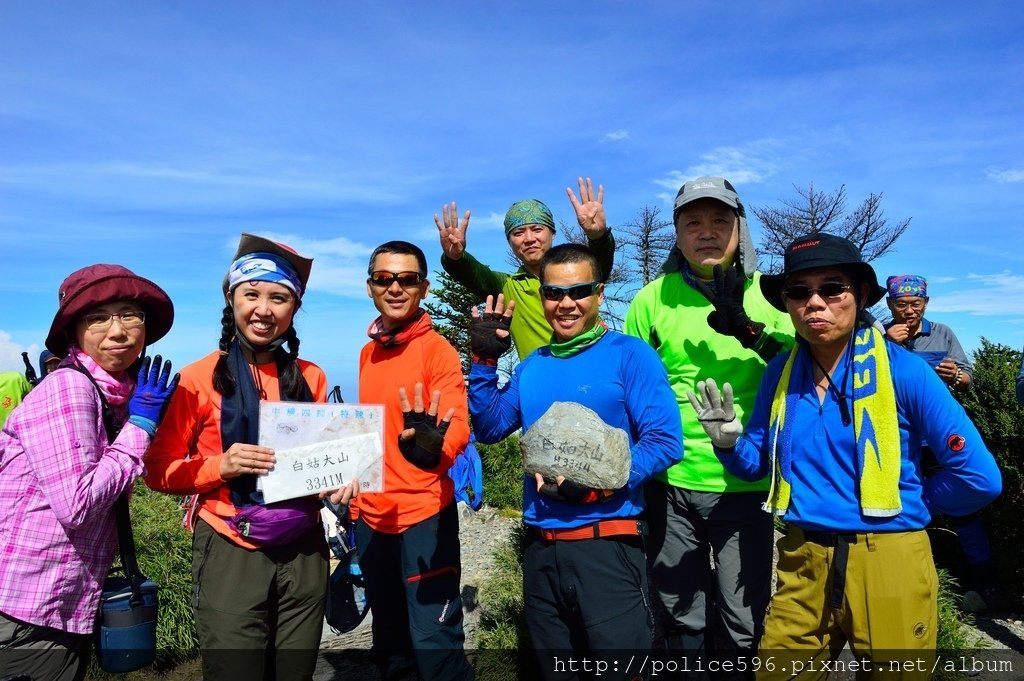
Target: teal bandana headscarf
x: 528, y: 212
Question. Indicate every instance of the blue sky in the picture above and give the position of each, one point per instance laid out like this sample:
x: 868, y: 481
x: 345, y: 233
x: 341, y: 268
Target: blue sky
x: 151, y: 134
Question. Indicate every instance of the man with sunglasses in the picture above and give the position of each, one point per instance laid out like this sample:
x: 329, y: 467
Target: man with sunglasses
x: 585, y: 587
x: 408, y: 534
x: 706, y: 316
x: 530, y: 230
x: 937, y: 345
x: 837, y: 425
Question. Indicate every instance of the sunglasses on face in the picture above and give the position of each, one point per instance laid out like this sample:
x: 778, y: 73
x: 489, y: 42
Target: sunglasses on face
x: 832, y: 291
x: 576, y: 291
x: 384, y: 279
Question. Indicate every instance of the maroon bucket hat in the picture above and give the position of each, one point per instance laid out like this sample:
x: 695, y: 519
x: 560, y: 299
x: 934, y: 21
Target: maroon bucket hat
x: 96, y: 285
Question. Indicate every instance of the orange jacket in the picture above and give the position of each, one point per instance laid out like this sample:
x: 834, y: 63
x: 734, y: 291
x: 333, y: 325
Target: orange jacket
x: 184, y: 457
x: 410, y: 494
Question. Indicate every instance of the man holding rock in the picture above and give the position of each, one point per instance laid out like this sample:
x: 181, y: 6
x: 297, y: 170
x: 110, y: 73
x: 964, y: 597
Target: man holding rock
x: 584, y: 571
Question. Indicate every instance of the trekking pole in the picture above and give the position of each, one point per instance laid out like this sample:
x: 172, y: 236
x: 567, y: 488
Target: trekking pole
x: 30, y: 372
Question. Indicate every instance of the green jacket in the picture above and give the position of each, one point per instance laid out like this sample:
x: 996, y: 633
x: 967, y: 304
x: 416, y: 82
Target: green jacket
x: 672, y: 317
x: 13, y: 388
x: 530, y: 329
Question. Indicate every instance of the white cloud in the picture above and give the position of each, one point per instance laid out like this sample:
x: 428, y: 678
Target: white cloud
x: 615, y: 136
x: 10, y: 354
x: 1006, y: 174
x: 746, y: 164
x: 999, y: 294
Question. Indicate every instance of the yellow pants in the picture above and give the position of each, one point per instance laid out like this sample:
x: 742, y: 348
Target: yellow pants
x: 888, y: 611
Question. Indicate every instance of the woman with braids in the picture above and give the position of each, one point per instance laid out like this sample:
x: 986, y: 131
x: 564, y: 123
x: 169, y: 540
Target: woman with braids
x: 259, y: 570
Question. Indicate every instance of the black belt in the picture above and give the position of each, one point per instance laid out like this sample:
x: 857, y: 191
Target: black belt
x: 840, y: 541
x: 831, y: 539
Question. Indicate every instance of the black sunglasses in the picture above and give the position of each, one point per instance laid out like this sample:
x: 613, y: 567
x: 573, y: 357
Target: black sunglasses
x: 831, y: 291
x: 384, y: 279
x: 576, y: 291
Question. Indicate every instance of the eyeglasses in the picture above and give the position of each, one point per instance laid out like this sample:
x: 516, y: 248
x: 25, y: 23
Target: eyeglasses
x: 576, y: 291
x: 904, y: 305
x: 384, y: 279
x: 101, y: 321
x: 832, y: 291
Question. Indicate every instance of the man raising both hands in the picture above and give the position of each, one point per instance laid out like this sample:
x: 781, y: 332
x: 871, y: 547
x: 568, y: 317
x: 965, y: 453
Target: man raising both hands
x: 530, y: 230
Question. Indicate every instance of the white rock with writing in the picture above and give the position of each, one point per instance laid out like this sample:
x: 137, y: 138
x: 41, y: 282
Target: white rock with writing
x: 572, y: 440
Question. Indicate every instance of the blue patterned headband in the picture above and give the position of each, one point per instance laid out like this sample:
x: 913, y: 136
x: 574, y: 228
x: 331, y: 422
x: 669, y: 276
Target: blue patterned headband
x: 264, y: 267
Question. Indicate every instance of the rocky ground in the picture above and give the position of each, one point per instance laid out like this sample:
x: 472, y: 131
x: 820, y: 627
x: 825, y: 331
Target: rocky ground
x: 345, y: 657
x: 481, y: 532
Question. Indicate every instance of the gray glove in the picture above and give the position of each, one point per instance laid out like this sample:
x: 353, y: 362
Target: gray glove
x: 716, y: 413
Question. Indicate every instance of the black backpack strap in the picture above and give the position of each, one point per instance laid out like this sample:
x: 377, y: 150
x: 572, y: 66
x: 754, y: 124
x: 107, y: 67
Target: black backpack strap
x: 125, y: 537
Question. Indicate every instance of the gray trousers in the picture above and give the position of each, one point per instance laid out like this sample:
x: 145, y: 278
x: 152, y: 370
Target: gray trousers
x: 686, y: 526
x: 41, y: 652
x: 259, y: 614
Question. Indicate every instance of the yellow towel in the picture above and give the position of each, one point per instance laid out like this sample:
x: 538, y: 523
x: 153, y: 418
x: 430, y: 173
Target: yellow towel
x: 875, y: 428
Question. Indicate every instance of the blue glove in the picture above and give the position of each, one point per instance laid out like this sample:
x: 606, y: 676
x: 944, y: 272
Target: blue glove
x: 152, y: 391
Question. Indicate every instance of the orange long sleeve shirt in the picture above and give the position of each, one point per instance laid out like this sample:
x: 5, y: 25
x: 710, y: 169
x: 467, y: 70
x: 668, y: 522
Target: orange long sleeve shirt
x: 184, y: 457
x: 411, y: 494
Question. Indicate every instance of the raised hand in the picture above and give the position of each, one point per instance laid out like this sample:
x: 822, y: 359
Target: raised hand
x: 153, y: 389
x: 589, y: 210
x: 452, y: 230
x: 716, y: 413
x: 489, y: 333
x: 898, y: 332
x: 423, y: 438
x: 729, y: 318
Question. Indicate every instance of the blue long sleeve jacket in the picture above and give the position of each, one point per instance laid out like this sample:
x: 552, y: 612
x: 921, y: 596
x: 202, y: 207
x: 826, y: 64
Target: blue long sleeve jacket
x: 622, y: 379
x: 825, y: 479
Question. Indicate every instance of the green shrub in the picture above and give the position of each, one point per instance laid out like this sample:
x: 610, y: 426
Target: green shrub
x: 992, y: 405
x: 505, y: 652
x: 164, y: 550
x: 503, y: 473
x: 953, y: 641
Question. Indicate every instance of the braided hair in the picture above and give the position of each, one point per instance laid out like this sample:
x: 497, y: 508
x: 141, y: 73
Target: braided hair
x: 289, y: 375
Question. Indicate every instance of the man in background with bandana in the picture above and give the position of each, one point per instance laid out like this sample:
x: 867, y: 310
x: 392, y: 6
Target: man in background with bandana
x: 706, y: 316
x: 937, y: 345
x: 530, y: 230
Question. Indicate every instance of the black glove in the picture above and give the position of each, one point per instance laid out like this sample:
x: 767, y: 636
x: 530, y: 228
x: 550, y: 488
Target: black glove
x: 574, y: 494
x: 729, y: 317
x: 484, y: 341
x: 423, y: 449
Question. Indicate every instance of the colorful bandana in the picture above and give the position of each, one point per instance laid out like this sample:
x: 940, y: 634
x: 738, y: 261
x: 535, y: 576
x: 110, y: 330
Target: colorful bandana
x: 902, y: 285
x: 528, y: 212
x: 264, y: 267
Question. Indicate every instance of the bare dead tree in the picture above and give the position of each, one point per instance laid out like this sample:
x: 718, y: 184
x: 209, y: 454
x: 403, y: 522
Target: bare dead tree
x: 818, y: 211
x: 612, y: 312
x: 643, y: 243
